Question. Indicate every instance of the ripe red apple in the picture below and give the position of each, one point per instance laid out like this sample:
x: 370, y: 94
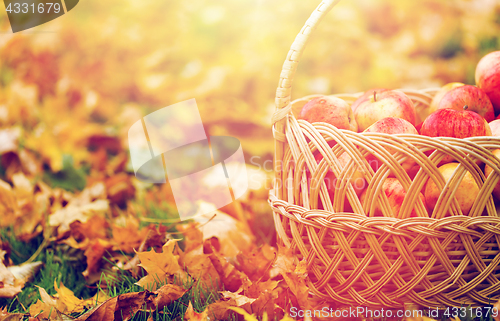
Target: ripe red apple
x: 357, y: 179
x: 433, y: 106
x: 390, y: 103
x: 470, y: 96
x: 332, y: 110
x: 465, y: 195
x: 390, y: 125
x: 395, y: 195
x: 488, y: 77
x: 449, y: 122
x: 366, y: 97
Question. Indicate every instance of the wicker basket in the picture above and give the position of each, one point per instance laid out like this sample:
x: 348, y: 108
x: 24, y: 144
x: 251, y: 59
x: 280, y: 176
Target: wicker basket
x: 357, y: 259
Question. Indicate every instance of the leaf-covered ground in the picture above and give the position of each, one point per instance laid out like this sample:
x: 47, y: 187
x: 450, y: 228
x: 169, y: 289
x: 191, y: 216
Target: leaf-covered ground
x: 82, y: 238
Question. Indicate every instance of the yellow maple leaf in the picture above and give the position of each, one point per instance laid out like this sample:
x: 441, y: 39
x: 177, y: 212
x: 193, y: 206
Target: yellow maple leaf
x: 161, y: 267
x: 246, y: 315
x: 67, y: 301
x: 192, y: 315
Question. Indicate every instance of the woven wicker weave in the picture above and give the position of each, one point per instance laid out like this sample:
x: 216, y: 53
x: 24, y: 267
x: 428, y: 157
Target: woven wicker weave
x: 439, y: 260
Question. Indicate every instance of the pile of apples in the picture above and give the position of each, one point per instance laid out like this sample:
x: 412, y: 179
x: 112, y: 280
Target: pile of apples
x: 457, y: 110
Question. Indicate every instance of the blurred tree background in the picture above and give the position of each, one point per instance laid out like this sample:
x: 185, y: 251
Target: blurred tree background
x: 105, y: 64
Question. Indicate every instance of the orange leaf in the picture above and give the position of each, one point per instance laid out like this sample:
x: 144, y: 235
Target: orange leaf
x: 161, y: 267
x: 229, y: 275
x: 167, y: 294
x: 192, y: 315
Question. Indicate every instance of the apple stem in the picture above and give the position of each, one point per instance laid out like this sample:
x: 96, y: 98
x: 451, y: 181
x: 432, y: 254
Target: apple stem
x: 465, y: 107
x: 374, y: 95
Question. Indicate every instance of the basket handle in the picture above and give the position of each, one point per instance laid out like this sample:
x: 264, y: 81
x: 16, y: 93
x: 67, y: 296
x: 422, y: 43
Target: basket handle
x: 283, y: 93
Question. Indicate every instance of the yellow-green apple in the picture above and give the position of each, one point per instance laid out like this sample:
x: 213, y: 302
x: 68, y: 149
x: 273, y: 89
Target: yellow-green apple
x: 470, y: 96
x: 389, y: 103
x: 332, y: 110
x: 366, y: 97
x: 433, y: 106
x: 395, y: 195
x: 495, y: 131
x: 356, y: 179
x: 488, y: 77
x: 495, y: 127
x: 488, y: 170
x: 465, y: 195
x: 390, y: 125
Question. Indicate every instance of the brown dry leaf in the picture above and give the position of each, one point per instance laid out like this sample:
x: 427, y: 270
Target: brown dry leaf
x: 295, y: 275
x: 200, y: 267
x: 155, y: 239
x: 167, y: 294
x: 125, y: 305
x: 233, y: 235
x: 240, y: 300
x: 5, y: 316
x: 46, y: 308
x: 128, y: 238
x: 8, y: 204
x: 160, y: 266
x: 119, y: 189
x: 229, y: 275
x: 193, y: 237
x: 264, y: 305
x: 94, y: 253
x: 89, y: 203
x: 256, y: 263
x: 67, y: 215
x: 255, y: 289
x: 285, y: 262
x: 83, y: 233
x: 197, y: 264
x: 192, y: 315
x: 219, y: 310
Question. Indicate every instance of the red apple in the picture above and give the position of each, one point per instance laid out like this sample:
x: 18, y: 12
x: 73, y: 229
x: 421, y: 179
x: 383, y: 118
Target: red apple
x: 395, y: 195
x: 433, y: 106
x: 449, y: 122
x: 390, y: 125
x: 470, y: 96
x: 366, y: 97
x: 488, y: 77
x: 390, y: 103
x: 332, y: 110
